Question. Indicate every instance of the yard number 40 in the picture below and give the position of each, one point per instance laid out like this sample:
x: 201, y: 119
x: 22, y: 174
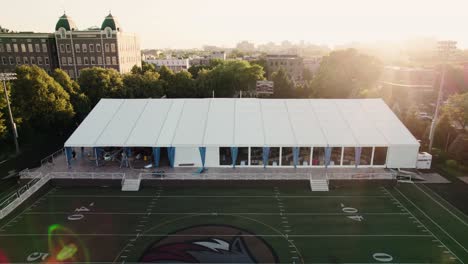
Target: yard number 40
x: 351, y: 210
x: 75, y: 217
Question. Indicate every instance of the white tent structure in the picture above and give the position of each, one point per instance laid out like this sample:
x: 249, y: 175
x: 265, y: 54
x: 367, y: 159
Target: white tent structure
x: 217, y: 132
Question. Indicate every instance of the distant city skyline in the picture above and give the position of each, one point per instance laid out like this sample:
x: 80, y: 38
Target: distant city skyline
x: 192, y: 24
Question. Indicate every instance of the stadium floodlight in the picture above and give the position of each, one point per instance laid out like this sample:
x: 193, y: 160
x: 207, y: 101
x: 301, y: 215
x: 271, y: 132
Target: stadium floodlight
x: 10, y: 77
x: 445, y: 51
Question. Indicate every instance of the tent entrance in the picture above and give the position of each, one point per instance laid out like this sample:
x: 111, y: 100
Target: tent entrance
x: 164, y: 158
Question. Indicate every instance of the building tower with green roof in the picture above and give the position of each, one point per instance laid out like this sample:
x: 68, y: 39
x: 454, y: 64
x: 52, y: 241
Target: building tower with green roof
x: 106, y: 46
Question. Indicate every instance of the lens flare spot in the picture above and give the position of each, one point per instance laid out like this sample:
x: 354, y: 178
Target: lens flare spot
x: 67, y: 252
x: 3, y: 257
x: 65, y: 245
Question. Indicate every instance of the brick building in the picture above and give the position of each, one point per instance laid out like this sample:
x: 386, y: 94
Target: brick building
x: 27, y: 48
x: 72, y: 49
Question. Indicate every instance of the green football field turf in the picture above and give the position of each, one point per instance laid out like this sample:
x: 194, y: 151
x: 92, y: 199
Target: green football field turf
x: 407, y: 223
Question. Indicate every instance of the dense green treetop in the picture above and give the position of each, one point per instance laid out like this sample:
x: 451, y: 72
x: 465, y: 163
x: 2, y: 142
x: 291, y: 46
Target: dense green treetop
x: 39, y: 100
x: 457, y: 109
x: 78, y: 99
x: 99, y: 83
x: 345, y: 74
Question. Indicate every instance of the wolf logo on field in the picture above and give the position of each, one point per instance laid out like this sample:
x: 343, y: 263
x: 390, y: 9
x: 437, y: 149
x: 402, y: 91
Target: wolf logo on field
x: 213, y: 250
x: 226, y: 244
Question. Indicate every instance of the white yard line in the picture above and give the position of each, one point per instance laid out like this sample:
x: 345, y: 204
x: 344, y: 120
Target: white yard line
x: 219, y: 196
x: 208, y: 213
x: 295, y: 255
x: 110, y: 262
x: 221, y: 235
x: 140, y: 227
x: 440, y: 241
x: 446, y: 209
x: 27, y: 208
x: 443, y: 199
x: 434, y: 222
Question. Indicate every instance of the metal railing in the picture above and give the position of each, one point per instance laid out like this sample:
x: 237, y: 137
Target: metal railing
x: 266, y: 176
x: 87, y: 175
x: 361, y: 176
x: 50, y: 160
x: 13, y: 200
x: 224, y: 176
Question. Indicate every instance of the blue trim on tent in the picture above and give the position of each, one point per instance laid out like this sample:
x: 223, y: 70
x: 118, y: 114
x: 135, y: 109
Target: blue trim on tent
x: 171, y: 156
x: 156, y: 156
x: 129, y: 152
x: 295, y: 156
x: 357, y: 155
x: 202, y: 151
x: 328, y: 151
x: 96, y: 155
x: 68, y: 154
x: 266, y: 154
x: 234, y: 152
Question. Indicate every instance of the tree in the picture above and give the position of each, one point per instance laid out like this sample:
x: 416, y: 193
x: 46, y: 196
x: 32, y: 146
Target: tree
x: 457, y: 109
x: 228, y: 78
x: 146, y: 85
x: 444, y: 133
x: 165, y: 73
x: 415, y: 125
x: 283, y: 86
x: 79, y: 100
x: 97, y: 83
x: 145, y: 67
x: 195, y: 69
x: 39, y: 100
x: 345, y: 73
x: 3, y: 109
x: 307, y: 74
x: 181, y: 85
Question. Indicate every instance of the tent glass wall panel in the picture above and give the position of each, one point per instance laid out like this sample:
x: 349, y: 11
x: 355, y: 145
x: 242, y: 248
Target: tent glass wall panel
x: 366, y: 156
x: 335, y: 159
x: 256, y: 156
x: 304, y: 156
x: 380, y: 156
x: 318, y: 156
x: 243, y: 156
x: 274, y: 157
x: 348, y: 156
x: 287, y: 158
x: 225, y: 156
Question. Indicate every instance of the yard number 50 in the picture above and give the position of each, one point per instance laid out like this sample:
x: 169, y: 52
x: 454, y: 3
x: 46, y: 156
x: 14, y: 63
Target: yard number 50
x: 35, y: 256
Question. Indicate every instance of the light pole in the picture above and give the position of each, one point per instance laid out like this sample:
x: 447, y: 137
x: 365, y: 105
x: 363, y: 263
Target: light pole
x: 445, y: 50
x: 8, y: 77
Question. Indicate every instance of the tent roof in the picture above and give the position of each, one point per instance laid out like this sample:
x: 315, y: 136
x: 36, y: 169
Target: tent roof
x: 240, y: 122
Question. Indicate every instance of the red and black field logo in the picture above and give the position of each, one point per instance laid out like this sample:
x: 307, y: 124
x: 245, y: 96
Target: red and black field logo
x: 210, y: 244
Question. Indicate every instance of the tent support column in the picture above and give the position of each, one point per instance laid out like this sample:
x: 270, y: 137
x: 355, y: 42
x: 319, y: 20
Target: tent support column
x: 266, y: 154
x: 357, y: 156
x: 171, y: 156
x: 234, y: 151
x: 96, y: 155
x: 68, y: 155
x: 202, y: 151
x: 328, y: 151
x: 156, y: 156
x: 295, y: 156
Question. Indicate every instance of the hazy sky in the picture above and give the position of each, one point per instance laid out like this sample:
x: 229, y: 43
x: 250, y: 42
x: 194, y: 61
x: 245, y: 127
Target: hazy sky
x: 193, y: 23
